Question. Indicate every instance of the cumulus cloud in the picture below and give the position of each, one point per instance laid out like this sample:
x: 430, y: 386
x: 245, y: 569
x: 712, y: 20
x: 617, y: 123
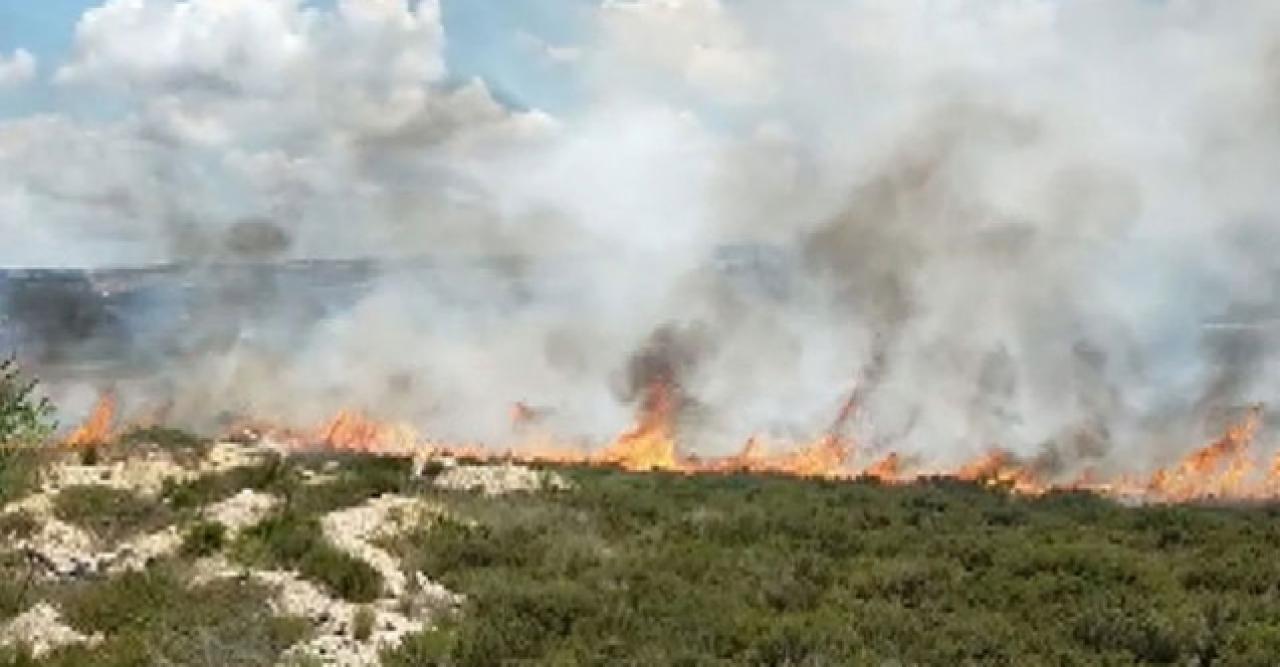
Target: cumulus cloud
x: 17, y: 69
x: 259, y: 108
x: 698, y: 43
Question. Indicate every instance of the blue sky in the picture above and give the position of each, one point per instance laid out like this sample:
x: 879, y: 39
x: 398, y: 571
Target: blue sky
x: 485, y: 38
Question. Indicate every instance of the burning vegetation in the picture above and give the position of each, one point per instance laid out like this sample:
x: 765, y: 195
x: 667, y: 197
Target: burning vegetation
x: 1229, y: 468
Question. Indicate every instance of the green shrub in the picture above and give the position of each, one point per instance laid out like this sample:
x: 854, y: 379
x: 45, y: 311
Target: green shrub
x: 166, y: 437
x: 205, y: 538
x: 17, y: 525
x: 19, y: 584
x: 270, y: 475
x: 110, y: 514
x: 670, y: 569
x: 290, y: 540
x: 24, y: 419
x: 25, y: 423
x: 153, y: 617
x: 429, y: 648
x: 362, y: 623
x: 17, y: 656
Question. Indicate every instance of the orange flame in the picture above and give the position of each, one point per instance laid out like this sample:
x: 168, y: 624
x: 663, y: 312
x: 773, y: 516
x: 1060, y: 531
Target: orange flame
x: 97, y: 428
x: 651, y: 444
x: 999, y: 467
x: 354, y: 431
x: 1222, y: 468
x: 887, y: 469
x: 824, y: 458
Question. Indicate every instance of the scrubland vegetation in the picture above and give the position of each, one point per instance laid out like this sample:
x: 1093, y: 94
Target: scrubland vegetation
x: 667, y: 569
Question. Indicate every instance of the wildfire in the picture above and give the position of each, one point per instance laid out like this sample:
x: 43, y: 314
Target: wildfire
x: 97, y: 428
x: 651, y: 444
x: 354, y: 431
x: 1000, y: 467
x: 887, y: 469
x: 1226, y: 468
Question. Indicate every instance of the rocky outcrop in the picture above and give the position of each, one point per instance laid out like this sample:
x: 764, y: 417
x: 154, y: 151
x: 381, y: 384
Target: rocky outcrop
x: 42, y: 631
x: 411, y: 602
x: 498, y: 479
x: 241, y: 511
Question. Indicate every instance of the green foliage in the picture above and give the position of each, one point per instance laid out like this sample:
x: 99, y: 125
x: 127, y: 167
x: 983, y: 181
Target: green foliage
x: 17, y: 525
x: 25, y: 423
x: 204, y: 538
x: 291, y: 540
x: 358, y: 478
x: 19, y: 585
x: 430, y: 648
x: 24, y: 419
x: 110, y: 514
x: 185, y: 447
x: 153, y: 617
x: 362, y: 623
x: 669, y: 569
x: 165, y: 437
x: 271, y: 475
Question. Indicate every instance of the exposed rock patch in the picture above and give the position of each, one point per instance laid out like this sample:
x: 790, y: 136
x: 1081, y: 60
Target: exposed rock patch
x: 42, y: 630
x: 495, y: 480
x: 145, y: 476
x: 354, y: 529
x: 407, y: 607
x: 241, y: 511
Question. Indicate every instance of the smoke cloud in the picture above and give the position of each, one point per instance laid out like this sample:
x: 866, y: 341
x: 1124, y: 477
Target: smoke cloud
x: 1038, y: 225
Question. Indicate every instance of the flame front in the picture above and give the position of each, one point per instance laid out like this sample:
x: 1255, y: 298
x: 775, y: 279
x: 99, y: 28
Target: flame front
x: 651, y: 444
x: 350, y: 430
x: 887, y: 469
x: 97, y: 428
x: 1226, y: 468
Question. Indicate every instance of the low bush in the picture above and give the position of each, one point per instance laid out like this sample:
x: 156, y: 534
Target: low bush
x: 184, y: 446
x: 271, y: 475
x: 26, y: 422
x: 19, y: 584
x: 670, y: 569
x: 17, y: 525
x: 204, y: 538
x: 154, y: 617
x: 110, y: 514
x: 166, y: 437
x: 289, y: 540
x: 362, y: 623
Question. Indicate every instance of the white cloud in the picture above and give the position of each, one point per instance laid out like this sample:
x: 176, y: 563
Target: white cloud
x: 698, y: 42
x: 255, y: 108
x: 17, y: 69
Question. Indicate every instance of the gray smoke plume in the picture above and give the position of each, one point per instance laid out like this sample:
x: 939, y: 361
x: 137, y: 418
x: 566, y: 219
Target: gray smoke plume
x: 1042, y: 226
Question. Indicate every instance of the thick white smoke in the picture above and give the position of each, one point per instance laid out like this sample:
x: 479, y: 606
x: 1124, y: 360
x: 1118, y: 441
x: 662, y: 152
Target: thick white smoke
x: 1010, y: 222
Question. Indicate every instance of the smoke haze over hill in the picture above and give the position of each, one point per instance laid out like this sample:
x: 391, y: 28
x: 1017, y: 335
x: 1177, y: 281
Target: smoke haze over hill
x: 1007, y: 222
